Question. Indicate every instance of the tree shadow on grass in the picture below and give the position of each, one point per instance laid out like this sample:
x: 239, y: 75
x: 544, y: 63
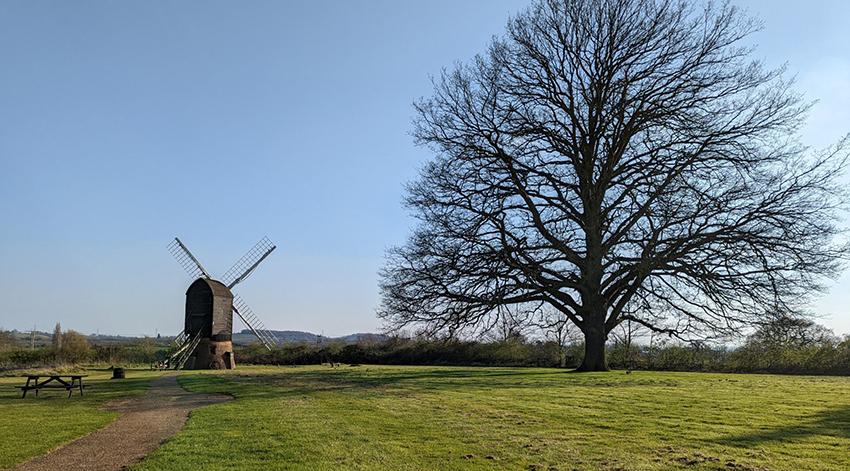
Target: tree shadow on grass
x: 288, y: 383
x: 833, y: 422
x: 303, y: 383
x: 353, y: 378
x: 482, y: 378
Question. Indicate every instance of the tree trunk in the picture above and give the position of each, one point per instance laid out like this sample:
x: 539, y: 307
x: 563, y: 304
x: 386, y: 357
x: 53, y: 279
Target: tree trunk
x: 594, y: 351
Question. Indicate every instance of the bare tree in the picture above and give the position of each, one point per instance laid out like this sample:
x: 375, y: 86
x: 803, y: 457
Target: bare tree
x: 557, y: 327
x: 56, y: 340
x: 512, y: 323
x: 8, y: 340
x: 784, y: 330
x: 625, y: 336
x: 611, y: 152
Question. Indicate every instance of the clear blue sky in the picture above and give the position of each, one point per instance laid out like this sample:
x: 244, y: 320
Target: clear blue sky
x: 125, y: 124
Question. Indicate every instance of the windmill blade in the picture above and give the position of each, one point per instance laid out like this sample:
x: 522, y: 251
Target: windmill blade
x: 248, y: 263
x: 187, y: 260
x: 254, y: 323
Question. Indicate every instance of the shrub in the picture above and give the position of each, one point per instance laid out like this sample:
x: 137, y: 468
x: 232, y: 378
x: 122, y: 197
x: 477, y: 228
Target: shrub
x: 75, y: 348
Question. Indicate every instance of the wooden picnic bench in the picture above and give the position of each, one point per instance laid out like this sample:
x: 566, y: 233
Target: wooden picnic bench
x: 53, y: 382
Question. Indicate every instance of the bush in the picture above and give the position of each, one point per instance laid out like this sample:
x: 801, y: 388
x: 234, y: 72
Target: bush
x: 75, y: 348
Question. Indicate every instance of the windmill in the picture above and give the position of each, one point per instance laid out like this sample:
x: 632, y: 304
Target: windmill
x: 206, y: 341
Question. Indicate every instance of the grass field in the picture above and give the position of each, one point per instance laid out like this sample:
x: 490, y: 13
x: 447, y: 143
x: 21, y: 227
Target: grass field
x: 35, y: 425
x: 425, y: 418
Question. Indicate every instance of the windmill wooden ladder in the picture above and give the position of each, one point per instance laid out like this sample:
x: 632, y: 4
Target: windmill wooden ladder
x: 185, y: 348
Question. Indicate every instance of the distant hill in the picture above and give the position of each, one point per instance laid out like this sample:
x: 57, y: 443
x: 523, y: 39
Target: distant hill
x: 246, y: 337
x: 242, y: 339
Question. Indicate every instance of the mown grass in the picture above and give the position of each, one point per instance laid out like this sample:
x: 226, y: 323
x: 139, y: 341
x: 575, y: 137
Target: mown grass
x: 437, y: 418
x: 34, y: 425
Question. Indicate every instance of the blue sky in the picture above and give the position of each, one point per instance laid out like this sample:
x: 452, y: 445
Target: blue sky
x: 125, y: 124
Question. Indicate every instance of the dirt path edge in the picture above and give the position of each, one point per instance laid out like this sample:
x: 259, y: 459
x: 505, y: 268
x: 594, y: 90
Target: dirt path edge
x: 146, y: 422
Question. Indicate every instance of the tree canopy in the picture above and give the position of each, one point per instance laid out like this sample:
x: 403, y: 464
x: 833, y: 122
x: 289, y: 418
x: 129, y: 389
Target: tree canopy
x: 617, y: 160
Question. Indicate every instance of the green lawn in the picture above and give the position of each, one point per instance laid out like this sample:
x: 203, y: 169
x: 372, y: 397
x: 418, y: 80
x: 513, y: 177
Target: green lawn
x: 426, y: 418
x: 35, y: 425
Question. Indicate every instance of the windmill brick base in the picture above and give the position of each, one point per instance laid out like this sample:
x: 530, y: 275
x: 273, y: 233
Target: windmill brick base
x: 212, y: 355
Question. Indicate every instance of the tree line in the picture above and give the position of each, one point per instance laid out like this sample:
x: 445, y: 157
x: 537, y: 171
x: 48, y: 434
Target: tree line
x: 787, y: 345
x: 69, y: 348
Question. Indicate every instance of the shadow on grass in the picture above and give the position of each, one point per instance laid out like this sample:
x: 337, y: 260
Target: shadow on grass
x: 287, y: 382
x: 483, y: 378
x: 833, y: 422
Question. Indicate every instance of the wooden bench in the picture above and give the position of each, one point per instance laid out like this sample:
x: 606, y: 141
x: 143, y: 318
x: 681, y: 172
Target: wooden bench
x: 54, y: 382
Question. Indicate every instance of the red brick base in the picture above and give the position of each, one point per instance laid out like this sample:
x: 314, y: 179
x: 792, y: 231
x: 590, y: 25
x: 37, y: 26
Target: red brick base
x: 212, y: 355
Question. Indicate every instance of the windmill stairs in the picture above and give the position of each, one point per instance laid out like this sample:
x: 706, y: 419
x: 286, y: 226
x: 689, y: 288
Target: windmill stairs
x: 185, y: 347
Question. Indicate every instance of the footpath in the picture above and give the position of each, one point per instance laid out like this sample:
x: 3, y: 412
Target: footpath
x: 146, y: 422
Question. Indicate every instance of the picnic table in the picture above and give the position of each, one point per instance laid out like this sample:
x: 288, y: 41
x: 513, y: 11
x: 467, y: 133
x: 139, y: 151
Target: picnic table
x: 68, y: 382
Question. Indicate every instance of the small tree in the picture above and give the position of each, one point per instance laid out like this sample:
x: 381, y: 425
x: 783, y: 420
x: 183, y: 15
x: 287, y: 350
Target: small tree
x: 624, y: 338
x: 75, y: 347
x: 556, y: 327
x: 146, y: 347
x: 56, y: 341
x: 789, y: 343
x: 8, y: 341
x: 786, y: 331
x: 510, y: 326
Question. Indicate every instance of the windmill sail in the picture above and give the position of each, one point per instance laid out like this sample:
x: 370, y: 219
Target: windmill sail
x: 254, y: 323
x: 186, y: 260
x: 239, y: 271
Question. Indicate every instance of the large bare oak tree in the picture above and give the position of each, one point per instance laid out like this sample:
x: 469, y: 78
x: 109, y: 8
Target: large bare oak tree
x: 617, y: 160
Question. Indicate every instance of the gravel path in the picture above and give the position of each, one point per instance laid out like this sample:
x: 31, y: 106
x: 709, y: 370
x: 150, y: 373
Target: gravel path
x: 147, y: 421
